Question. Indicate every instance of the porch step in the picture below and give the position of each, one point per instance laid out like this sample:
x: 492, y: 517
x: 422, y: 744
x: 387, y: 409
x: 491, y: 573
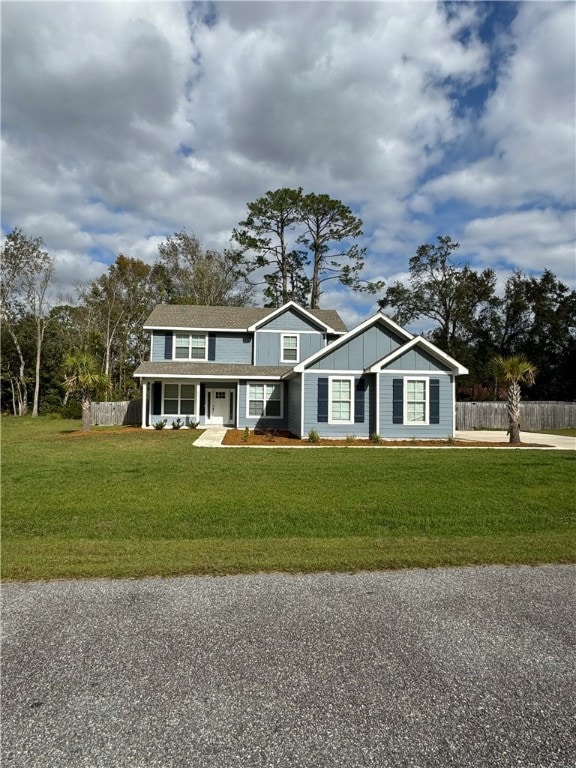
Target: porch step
x: 211, y: 438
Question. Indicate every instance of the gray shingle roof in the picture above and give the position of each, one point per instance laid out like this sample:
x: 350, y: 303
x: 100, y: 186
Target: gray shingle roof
x: 234, y: 318
x: 208, y: 370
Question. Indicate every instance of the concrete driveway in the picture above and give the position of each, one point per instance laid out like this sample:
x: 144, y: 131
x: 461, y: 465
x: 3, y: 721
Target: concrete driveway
x: 467, y: 667
x: 560, y: 442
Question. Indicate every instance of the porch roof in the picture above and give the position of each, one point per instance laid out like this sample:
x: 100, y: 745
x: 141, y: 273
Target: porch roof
x: 210, y: 370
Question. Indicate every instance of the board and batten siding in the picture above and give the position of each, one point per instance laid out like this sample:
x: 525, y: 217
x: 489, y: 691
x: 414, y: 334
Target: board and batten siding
x: 269, y: 347
x: 387, y: 427
x: 360, y: 352
x: 417, y: 360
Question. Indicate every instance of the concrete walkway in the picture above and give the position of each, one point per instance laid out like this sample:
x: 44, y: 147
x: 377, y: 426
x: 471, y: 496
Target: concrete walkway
x: 213, y: 437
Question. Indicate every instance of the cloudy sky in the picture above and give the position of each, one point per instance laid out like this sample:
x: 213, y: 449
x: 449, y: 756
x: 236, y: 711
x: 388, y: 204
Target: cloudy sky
x: 124, y: 122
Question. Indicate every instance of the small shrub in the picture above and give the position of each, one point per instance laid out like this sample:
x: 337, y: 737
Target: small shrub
x: 245, y: 435
x: 160, y: 424
x: 313, y: 436
x: 375, y: 437
x: 414, y: 441
x: 72, y: 410
x: 350, y: 438
x: 177, y: 424
x: 192, y: 424
x: 450, y: 440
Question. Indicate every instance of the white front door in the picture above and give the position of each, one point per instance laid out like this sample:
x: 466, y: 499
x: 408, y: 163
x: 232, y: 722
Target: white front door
x: 219, y: 406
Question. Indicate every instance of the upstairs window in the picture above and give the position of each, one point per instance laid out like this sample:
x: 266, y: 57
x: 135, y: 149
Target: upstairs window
x: 189, y: 346
x: 289, y: 348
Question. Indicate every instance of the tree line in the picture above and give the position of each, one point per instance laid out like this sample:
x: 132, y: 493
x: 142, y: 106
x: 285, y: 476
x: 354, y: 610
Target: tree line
x: 290, y: 245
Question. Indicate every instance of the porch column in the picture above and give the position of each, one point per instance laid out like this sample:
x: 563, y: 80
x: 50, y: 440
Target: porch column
x: 144, y: 388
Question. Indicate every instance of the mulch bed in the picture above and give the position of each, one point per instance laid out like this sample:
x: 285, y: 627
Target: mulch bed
x: 278, y: 437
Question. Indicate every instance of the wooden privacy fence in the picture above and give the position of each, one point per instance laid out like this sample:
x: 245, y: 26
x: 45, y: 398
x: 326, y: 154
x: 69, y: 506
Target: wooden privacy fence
x: 484, y: 415
x: 533, y: 415
x: 126, y: 412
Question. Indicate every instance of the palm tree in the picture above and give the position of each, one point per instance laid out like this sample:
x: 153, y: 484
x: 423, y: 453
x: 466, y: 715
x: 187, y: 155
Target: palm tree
x: 513, y: 371
x: 84, y: 378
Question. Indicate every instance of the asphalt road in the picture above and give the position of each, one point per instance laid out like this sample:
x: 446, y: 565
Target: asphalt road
x: 466, y: 667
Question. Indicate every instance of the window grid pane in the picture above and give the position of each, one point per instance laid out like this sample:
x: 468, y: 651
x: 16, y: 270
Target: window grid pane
x: 341, y: 403
x: 290, y: 348
x: 265, y: 400
x: 416, y: 402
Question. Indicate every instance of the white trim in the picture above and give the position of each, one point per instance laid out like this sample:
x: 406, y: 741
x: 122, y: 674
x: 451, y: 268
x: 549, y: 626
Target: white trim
x: 193, y: 329
x: 432, y: 349
x: 331, y: 379
x: 299, y: 309
x: 144, y: 392
x: 453, y: 406
x: 414, y: 372
x: 189, y: 358
x: 377, y: 409
x: 339, y: 371
x: 278, y: 330
x: 426, y: 422
x: 302, y: 399
x: 264, y: 416
x: 291, y: 336
x: 377, y: 318
x: 206, y: 377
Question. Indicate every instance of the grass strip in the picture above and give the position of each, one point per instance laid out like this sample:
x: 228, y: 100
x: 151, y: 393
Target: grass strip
x: 45, y: 558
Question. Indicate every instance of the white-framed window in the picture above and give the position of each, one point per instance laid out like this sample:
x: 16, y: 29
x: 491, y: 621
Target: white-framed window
x: 290, y: 348
x: 416, y: 400
x: 190, y: 346
x: 264, y: 400
x: 341, y: 400
x: 179, y: 399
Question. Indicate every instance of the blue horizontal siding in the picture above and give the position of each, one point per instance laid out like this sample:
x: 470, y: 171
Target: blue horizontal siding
x: 223, y: 347
x: 290, y: 321
x: 324, y: 429
x: 443, y: 429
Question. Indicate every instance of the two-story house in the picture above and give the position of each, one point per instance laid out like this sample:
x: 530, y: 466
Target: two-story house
x: 295, y: 369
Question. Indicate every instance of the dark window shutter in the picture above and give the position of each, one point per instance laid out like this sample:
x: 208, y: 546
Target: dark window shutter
x: 359, y: 401
x: 434, y: 401
x: 322, y: 400
x: 168, y: 346
x: 157, y: 398
x: 211, y: 347
x: 202, y: 400
x: 397, y: 401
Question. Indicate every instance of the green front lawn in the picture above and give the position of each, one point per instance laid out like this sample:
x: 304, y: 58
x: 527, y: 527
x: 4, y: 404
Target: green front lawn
x: 134, y: 502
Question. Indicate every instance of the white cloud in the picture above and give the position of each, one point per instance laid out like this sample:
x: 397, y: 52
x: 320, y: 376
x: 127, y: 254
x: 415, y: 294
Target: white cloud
x: 527, y: 131
x: 124, y: 122
x: 531, y: 240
